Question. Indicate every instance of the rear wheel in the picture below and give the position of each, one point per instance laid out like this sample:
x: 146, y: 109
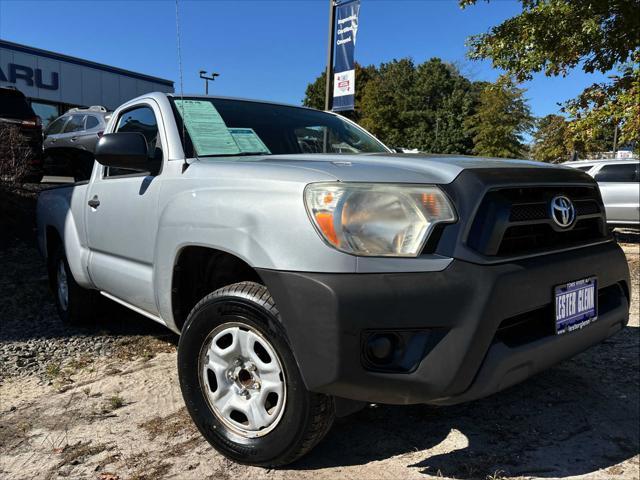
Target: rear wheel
x: 75, y: 305
x: 241, y: 383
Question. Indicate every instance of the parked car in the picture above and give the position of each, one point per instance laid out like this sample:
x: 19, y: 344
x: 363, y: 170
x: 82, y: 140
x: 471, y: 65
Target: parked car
x: 619, y: 182
x: 71, y: 139
x: 306, y: 285
x: 16, y: 113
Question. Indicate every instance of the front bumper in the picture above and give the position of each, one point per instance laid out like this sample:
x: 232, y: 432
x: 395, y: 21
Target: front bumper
x: 325, y: 316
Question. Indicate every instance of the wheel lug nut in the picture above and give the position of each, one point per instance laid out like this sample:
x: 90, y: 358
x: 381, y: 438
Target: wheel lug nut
x: 256, y: 386
x: 251, y: 367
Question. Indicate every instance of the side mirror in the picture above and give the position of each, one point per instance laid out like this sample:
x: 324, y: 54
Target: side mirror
x: 123, y: 150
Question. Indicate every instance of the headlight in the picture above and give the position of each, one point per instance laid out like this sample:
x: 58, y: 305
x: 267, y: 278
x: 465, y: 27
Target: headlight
x: 371, y: 219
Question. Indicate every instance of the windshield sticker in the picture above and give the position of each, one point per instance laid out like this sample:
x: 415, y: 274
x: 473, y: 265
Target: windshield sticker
x: 248, y: 140
x: 208, y: 132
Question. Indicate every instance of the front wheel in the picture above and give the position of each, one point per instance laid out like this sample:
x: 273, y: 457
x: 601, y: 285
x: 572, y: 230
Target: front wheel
x: 240, y: 381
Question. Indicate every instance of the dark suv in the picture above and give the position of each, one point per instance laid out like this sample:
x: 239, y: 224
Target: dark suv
x: 21, y: 133
x: 71, y: 139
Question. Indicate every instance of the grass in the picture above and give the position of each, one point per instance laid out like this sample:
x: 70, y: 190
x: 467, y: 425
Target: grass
x: 79, y: 363
x: 53, y: 371
x: 171, y: 425
x: 114, y: 402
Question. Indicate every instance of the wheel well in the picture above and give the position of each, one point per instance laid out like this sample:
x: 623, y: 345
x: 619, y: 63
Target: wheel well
x: 53, y: 241
x: 201, y: 270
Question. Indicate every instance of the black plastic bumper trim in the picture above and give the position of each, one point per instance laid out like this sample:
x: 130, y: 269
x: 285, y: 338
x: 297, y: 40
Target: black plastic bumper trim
x: 325, y: 314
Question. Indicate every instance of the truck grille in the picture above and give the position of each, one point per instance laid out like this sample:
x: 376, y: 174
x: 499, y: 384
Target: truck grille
x: 517, y: 221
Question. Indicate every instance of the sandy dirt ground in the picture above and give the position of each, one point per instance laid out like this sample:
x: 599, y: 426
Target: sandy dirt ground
x: 116, y: 417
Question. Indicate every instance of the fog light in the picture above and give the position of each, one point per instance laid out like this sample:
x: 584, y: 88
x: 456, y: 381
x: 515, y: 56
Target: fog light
x: 397, y: 351
x: 380, y: 347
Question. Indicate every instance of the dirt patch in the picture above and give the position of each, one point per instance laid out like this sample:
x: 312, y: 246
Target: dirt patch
x: 169, y: 426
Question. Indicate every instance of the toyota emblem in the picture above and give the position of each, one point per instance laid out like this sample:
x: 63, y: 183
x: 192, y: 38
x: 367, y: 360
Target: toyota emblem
x: 562, y: 211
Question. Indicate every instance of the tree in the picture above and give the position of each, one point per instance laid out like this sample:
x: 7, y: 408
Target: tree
x: 551, y: 139
x: 413, y: 106
x: 387, y: 103
x: 602, y: 108
x: 421, y: 107
x: 501, y: 120
x: 443, y: 99
x: 554, y: 36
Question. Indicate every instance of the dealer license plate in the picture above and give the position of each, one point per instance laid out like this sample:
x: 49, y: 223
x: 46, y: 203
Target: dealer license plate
x: 576, y: 304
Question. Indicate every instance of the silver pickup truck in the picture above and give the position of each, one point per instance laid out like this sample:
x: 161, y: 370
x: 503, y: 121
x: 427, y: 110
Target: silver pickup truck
x: 310, y: 270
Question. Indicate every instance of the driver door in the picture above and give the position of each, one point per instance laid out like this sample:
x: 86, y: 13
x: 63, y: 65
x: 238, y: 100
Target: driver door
x: 122, y: 217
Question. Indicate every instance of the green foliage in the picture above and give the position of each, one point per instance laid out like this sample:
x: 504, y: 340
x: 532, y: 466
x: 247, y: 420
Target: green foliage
x: 387, y: 107
x: 421, y: 107
x: 597, y: 111
x: 501, y: 120
x: 554, y: 36
x: 550, y: 140
x: 413, y: 106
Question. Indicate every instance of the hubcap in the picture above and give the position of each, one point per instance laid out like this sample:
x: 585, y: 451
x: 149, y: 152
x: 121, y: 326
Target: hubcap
x: 63, y: 287
x: 243, y: 380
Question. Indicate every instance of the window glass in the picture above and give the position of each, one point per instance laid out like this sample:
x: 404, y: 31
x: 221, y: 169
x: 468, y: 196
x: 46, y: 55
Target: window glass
x: 76, y: 124
x: 213, y: 126
x: 618, y: 173
x: 92, y: 122
x: 47, y: 113
x: 56, y: 126
x: 141, y: 120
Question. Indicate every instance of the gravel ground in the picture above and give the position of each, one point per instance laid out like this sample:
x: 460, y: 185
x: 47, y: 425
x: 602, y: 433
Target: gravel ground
x: 32, y: 338
x: 103, y: 402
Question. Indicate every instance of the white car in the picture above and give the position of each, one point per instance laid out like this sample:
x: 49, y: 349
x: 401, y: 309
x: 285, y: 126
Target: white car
x: 619, y: 182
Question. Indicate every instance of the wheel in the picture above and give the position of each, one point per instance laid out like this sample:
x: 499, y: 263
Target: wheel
x: 240, y: 381
x: 75, y: 305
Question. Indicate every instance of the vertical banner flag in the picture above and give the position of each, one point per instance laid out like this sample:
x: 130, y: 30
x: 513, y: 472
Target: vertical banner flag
x: 344, y: 77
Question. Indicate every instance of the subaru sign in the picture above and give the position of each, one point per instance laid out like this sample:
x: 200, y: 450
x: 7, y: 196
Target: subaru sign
x: 29, y: 76
x: 62, y: 81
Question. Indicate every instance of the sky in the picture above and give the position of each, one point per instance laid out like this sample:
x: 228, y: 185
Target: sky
x: 266, y: 49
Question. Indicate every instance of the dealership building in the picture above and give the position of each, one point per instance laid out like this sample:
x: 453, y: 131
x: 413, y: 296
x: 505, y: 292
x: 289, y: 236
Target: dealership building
x: 54, y: 82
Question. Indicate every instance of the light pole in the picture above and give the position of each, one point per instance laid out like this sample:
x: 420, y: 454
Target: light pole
x: 203, y: 75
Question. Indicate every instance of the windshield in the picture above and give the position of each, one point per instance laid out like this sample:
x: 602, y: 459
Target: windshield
x: 223, y: 127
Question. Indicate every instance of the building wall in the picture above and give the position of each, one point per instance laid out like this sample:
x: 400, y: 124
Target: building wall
x: 59, y: 79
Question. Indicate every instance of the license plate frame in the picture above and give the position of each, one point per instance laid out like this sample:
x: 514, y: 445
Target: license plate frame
x: 574, y: 310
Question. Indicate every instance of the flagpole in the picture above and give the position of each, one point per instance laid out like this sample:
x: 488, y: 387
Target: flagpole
x: 328, y: 94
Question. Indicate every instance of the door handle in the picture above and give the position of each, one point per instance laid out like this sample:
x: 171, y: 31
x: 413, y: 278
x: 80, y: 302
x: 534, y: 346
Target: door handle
x: 73, y: 139
x: 94, y: 202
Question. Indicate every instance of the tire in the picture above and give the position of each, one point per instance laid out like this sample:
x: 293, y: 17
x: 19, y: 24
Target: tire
x: 77, y: 306
x: 213, y: 335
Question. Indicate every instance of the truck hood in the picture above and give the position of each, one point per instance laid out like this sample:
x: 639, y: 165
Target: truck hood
x: 388, y: 167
